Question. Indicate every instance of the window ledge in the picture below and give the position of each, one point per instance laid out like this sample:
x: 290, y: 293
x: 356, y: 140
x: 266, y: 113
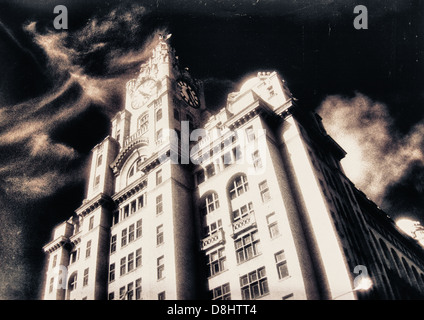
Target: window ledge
x: 259, y: 254
x: 217, y: 274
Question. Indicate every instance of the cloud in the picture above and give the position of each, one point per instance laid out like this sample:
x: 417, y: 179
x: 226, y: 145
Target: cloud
x: 377, y: 155
x: 88, y: 66
x: 42, y: 145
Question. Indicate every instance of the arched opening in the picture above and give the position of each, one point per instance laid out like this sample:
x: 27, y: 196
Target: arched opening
x: 238, y: 186
x: 72, y: 284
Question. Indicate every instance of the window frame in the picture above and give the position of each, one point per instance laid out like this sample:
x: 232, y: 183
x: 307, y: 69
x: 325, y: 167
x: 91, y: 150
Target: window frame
x: 239, y: 185
x: 247, y: 247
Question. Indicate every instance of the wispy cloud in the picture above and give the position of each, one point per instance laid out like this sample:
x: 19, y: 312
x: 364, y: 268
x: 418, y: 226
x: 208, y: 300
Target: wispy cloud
x: 88, y: 66
x: 377, y: 154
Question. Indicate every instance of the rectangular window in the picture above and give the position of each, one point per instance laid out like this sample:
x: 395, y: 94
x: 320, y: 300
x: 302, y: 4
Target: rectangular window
x: 113, y: 243
x: 272, y: 225
x: 85, y: 279
x: 123, y: 266
x: 126, y: 211
x: 91, y: 223
x: 247, y: 247
x: 111, y: 272
x: 124, y: 237
x: 138, y: 289
x: 161, y: 295
x: 138, y: 258
x: 243, y: 212
x: 160, y: 267
x: 115, y: 218
x: 118, y: 135
x: 130, y: 262
x: 51, y: 285
x: 281, y: 262
x: 212, y: 228
x: 159, y: 234
x: 210, y: 170
x: 158, y: 177
x: 96, y: 181
x: 141, y: 201
x: 254, y: 285
x: 159, y: 205
x: 54, y: 261
x: 111, y: 296
x: 264, y: 190
x: 250, y: 134
x: 221, y: 292
x: 138, y: 229
x: 237, y: 153
x: 131, y: 233
x: 88, y: 249
x: 130, y: 291
x: 73, y: 256
x: 227, y: 159
x: 133, y: 206
x: 257, y: 161
x: 121, y: 293
x: 216, y: 262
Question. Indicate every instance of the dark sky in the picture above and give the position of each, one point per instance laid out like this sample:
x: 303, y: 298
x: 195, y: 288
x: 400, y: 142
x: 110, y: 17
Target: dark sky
x: 59, y: 88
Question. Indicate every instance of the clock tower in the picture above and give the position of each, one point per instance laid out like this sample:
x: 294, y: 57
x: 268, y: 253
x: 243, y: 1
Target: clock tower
x: 162, y: 102
x: 158, y: 100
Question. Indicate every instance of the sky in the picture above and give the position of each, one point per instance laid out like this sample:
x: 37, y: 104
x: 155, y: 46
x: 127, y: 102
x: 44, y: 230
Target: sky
x: 60, y: 88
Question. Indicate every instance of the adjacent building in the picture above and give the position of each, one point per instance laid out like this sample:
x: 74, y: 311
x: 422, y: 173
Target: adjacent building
x: 249, y: 202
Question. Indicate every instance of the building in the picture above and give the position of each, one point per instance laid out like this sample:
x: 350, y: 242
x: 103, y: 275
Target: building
x: 248, y: 203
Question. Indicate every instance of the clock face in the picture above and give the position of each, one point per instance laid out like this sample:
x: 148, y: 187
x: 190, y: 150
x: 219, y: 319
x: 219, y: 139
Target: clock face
x: 142, y: 93
x: 188, y: 94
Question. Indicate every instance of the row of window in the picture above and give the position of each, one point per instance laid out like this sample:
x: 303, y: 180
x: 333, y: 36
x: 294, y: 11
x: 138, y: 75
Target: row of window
x: 253, y: 285
x: 132, y: 291
x: 247, y: 247
x: 134, y: 232
x: 129, y: 209
x: 239, y: 186
x: 139, y: 203
x: 228, y: 158
x: 128, y: 264
x: 132, y: 262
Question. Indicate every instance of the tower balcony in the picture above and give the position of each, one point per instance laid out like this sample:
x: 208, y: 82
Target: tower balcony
x: 136, y: 137
x: 212, y: 240
x: 244, y: 224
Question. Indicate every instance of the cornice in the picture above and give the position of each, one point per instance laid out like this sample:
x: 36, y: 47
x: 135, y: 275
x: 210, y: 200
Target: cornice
x: 56, y: 244
x: 88, y: 206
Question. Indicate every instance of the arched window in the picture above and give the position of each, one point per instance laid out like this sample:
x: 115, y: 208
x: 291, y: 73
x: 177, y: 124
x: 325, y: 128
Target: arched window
x: 143, y: 122
x: 417, y: 277
x: 158, y: 114
x: 72, y: 284
x: 99, y: 160
x: 386, y: 252
x: 132, y: 172
x: 210, y: 203
x: 407, y: 270
x: 396, y: 258
x: 238, y: 186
